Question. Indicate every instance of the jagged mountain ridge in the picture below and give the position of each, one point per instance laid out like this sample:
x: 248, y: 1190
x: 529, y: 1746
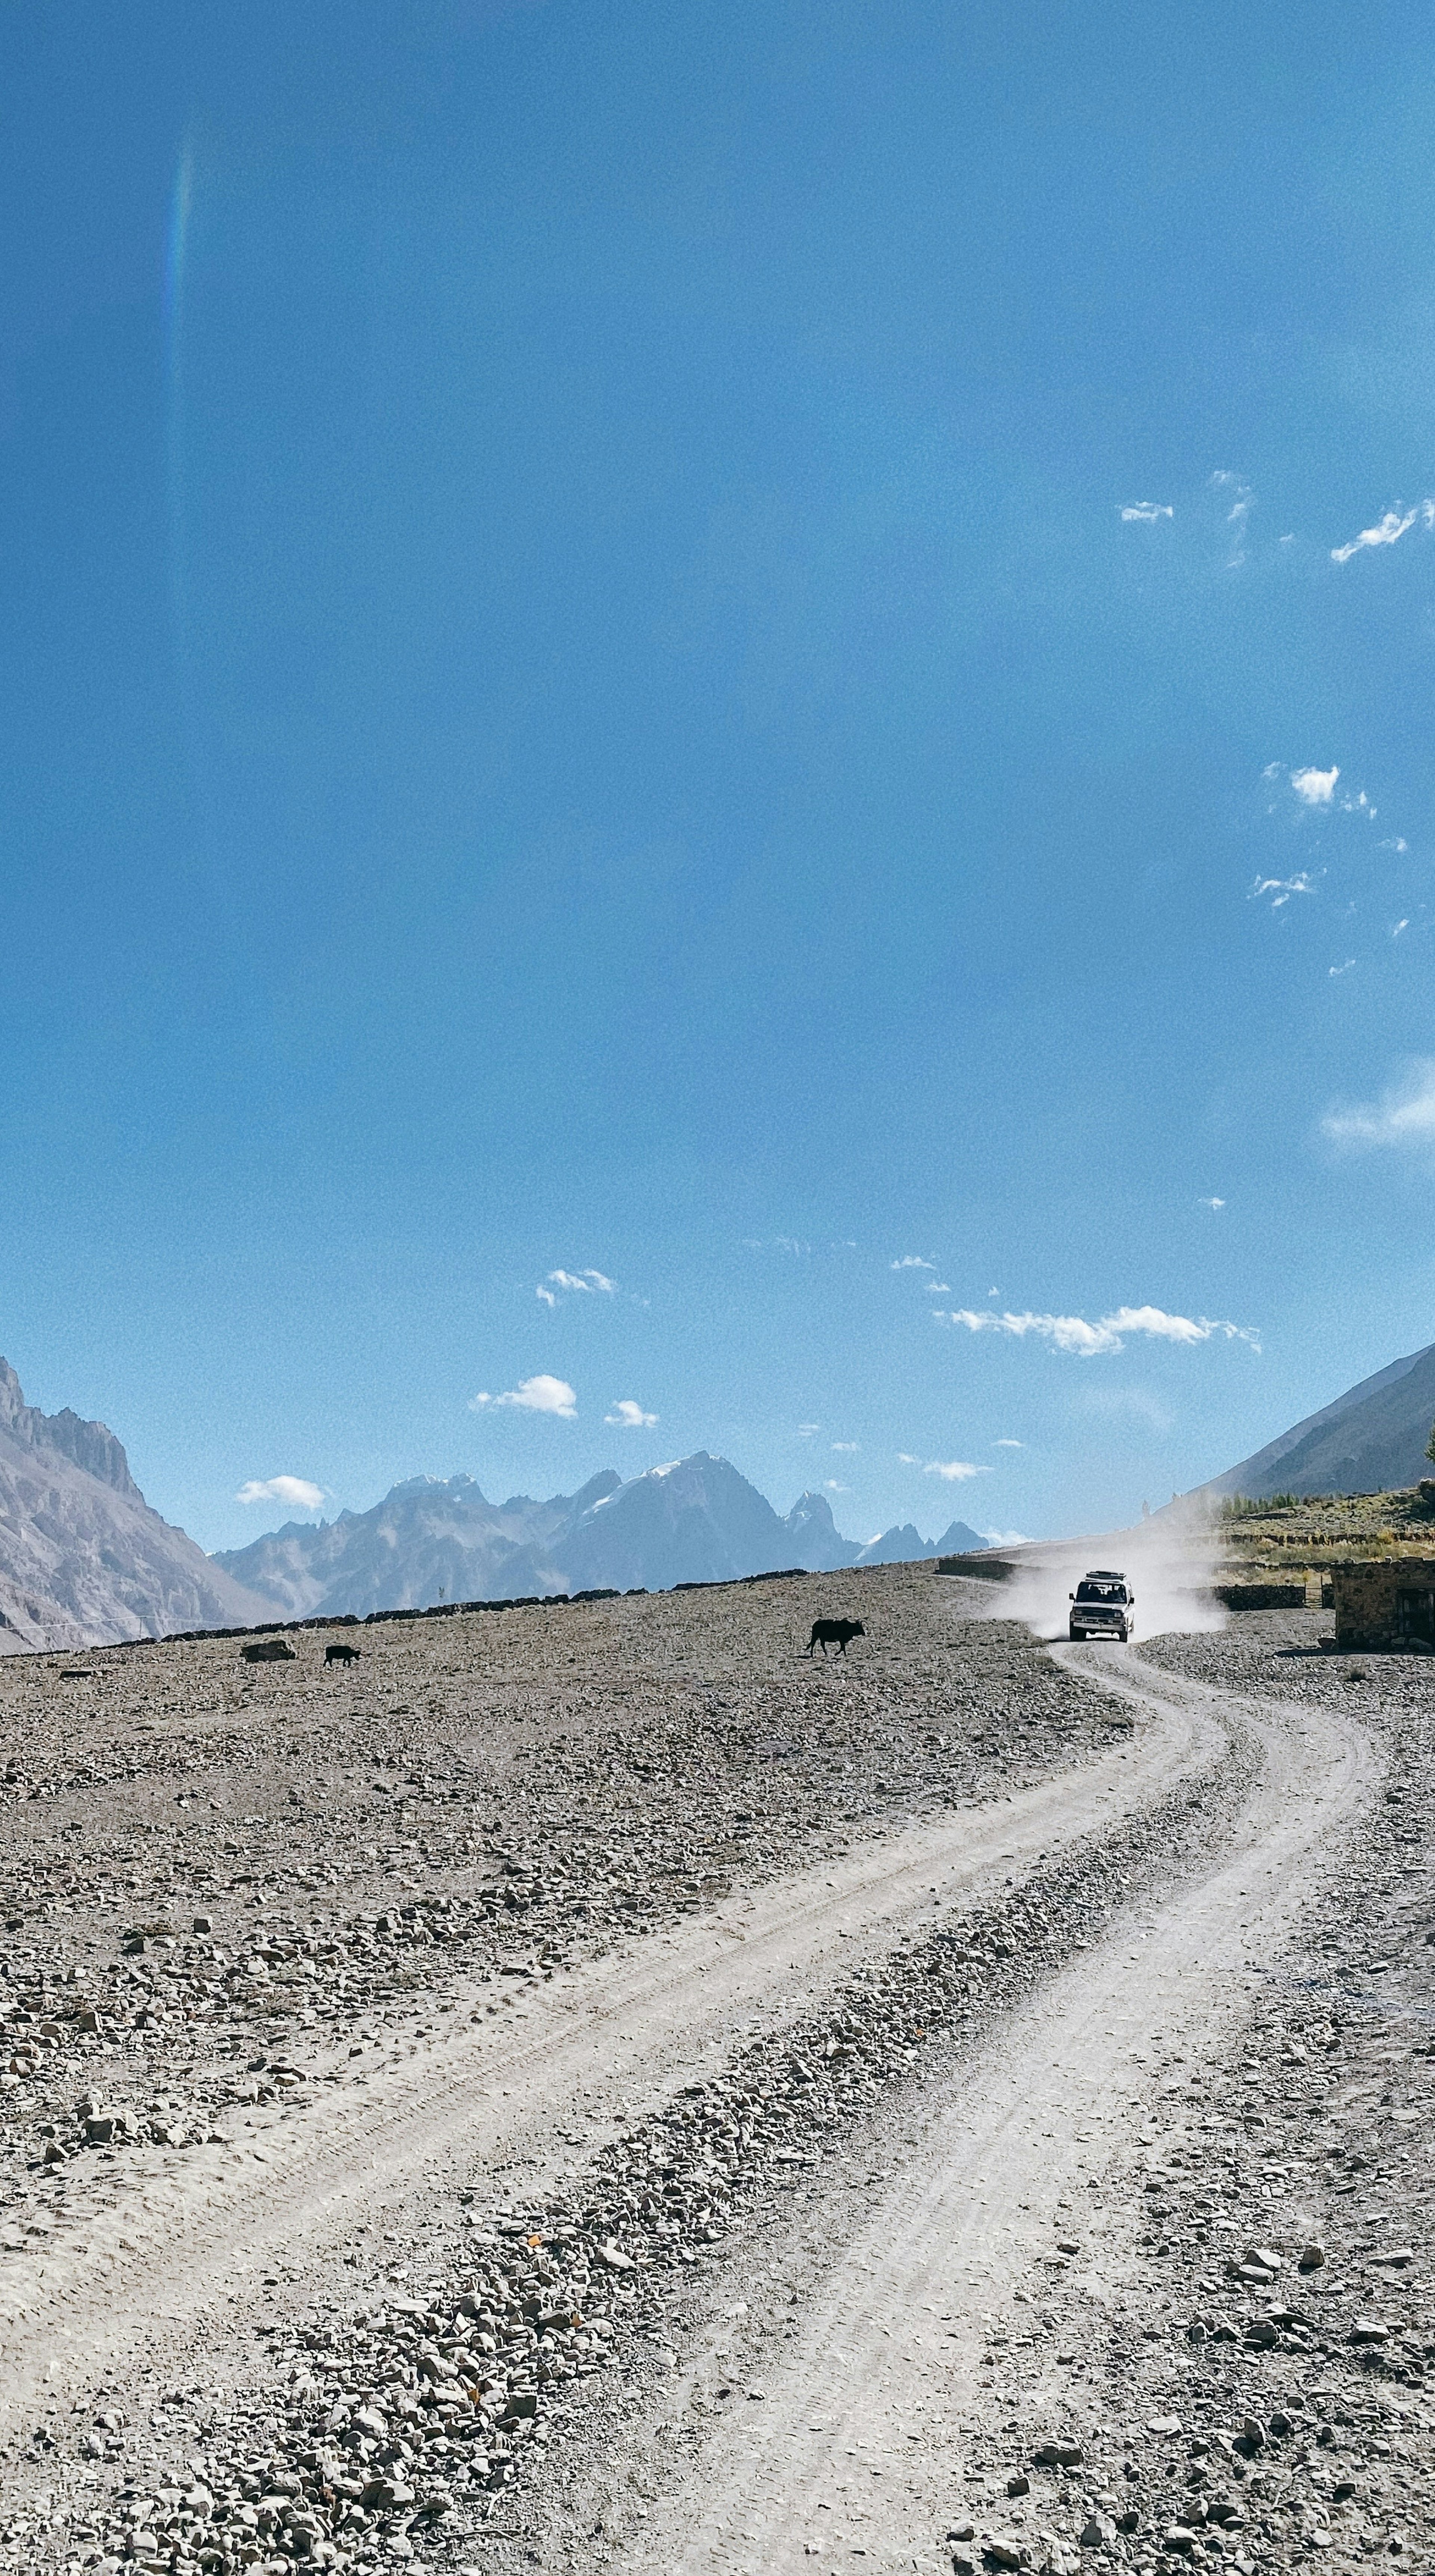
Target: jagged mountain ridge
x: 1371, y: 1440
x: 83, y: 1559
x: 695, y: 1520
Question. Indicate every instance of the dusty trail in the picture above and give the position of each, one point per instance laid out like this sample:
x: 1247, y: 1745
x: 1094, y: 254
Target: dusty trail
x: 856, y: 2444
x: 176, y: 2250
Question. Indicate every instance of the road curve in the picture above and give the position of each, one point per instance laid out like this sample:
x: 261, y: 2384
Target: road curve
x: 162, y: 2248
x: 856, y: 2444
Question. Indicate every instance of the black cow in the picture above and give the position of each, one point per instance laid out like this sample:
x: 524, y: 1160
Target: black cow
x: 837, y: 1632
x: 342, y: 1654
x: 270, y: 1650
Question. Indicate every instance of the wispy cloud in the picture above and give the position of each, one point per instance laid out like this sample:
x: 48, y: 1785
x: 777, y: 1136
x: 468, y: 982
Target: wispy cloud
x: 1242, y: 502
x: 1212, y: 1203
x: 628, y: 1416
x: 1109, y: 1333
x: 1343, y: 969
x: 295, y: 1490
x: 1404, y: 1115
x: 953, y: 1471
x: 913, y: 1261
x: 848, y: 1447
x: 805, y: 1430
x: 1148, y: 512
x: 1400, y: 926
x: 1008, y: 1444
x: 1315, y: 786
x: 1280, y: 889
x: 1387, y: 531
x: 1315, y: 790
x: 534, y: 1395
x: 937, y: 1287
x: 577, y: 1283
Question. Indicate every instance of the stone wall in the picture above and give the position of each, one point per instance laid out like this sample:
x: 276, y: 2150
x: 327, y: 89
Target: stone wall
x: 1385, y: 1605
x: 1262, y: 1596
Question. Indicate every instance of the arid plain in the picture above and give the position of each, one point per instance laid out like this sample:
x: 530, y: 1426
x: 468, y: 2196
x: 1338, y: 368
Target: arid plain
x: 588, y: 2086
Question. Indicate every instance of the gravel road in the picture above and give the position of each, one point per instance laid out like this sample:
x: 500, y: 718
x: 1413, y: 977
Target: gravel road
x: 711, y: 2136
x: 859, y: 2439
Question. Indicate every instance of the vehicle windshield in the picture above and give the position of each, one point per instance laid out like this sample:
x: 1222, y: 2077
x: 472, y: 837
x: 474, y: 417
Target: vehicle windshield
x: 1101, y: 1591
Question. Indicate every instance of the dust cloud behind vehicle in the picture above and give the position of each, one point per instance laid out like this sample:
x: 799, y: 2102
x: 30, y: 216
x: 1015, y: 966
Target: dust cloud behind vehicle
x: 1169, y: 1562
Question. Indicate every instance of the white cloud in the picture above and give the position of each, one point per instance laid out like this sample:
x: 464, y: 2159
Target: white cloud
x: 1088, y: 1341
x: 1005, y: 1538
x: 1237, y: 515
x: 1341, y: 970
x: 546, y: 1295
x: 1315, y: 786
x: 849, y: 1446
x: 1148, y: 512
x: 1405, y: 1115
x: 831, y: 1486
x: 629, y: 1416
x: 1213, y: 1204
x: 578, y: 1283
x: 953, y: 1471
x: 805, y: 1430
x: 1386, y: 532
x: 296, y: 1490
x: 1008, y: 1444
x: 1400, y: 925
x: 937, y: 1287
x: 1280, y: 889
x: 906, y: 1459
x: 913, y: 1261
x: 535, y: 1395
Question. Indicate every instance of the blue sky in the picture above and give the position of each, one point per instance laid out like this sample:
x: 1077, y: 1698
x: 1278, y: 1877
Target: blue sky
x: 725, y: 651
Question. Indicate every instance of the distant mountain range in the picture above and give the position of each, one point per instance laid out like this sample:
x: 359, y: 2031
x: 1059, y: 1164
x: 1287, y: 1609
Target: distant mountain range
x: 1370, y: 1441
x: 82, y: 1556
x: 432, y: 1539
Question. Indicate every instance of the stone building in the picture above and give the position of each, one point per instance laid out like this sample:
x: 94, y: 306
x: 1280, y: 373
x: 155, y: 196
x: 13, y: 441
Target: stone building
x: 1385, y: 1605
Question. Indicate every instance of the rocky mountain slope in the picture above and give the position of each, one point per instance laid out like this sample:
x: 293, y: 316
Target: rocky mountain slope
x: 82, y: 1556
x: 1370, y: 1440
x: 696, y: 1520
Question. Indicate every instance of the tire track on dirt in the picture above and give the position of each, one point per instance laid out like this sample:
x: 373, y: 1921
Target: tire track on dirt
x: 191, y: 2243
x: 856, y: 2444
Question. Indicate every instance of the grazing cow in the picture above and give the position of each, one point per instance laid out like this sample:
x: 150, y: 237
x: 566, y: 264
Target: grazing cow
x: 342, y: 1654
x: 837, y: 1632
x: 270, y: 1650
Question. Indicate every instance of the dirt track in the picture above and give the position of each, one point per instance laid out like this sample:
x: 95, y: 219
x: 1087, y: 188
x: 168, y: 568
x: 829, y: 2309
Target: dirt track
x: 615, y: 2033
x: 855, y: 2248
x: 858, y: 2440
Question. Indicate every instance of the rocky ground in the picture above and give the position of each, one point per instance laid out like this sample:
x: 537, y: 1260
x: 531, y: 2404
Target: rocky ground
x: 1256, y: 2314
x: 216, y: 1878
x: 615, y: 2345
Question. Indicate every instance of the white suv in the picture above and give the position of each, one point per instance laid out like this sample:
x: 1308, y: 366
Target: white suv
x: 1101, y: 1605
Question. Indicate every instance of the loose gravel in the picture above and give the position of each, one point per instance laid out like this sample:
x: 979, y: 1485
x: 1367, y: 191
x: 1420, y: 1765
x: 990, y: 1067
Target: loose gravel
x: 1248, y: 2346
x: 218, y: 1882
x: 400, y: 2429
